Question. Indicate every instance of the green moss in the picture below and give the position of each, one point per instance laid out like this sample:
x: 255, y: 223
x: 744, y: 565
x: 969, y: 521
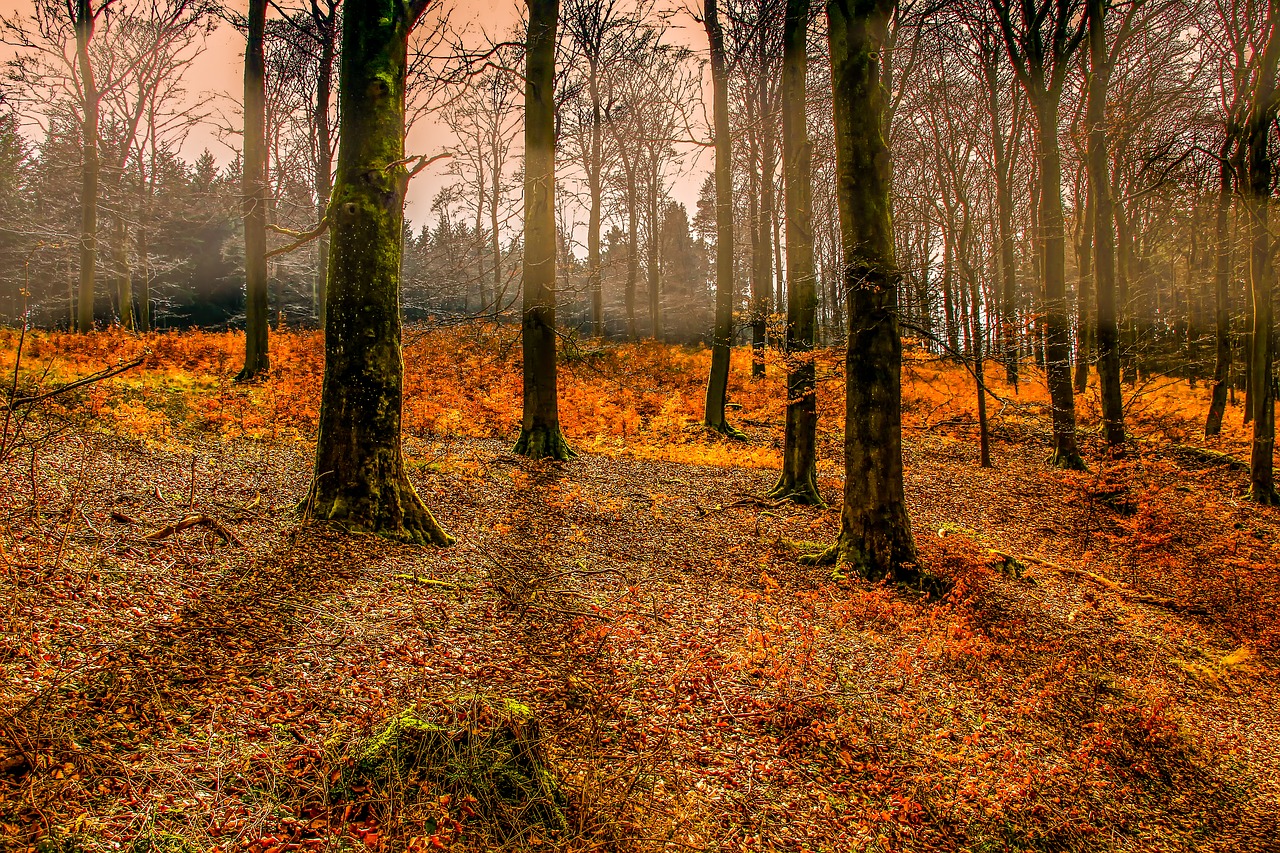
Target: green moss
x: 487, y: 749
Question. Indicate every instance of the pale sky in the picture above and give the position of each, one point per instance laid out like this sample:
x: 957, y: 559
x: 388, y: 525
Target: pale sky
x: 219, y: 70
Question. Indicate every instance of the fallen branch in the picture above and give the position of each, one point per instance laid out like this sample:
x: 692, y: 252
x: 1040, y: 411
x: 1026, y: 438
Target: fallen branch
x: 1123, y: 590
x: 79, y: 383
x: 194, y: 521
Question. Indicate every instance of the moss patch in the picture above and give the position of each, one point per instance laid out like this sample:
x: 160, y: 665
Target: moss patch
x: 484, y: 750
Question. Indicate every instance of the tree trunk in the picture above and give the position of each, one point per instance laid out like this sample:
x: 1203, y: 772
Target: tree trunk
x: 799, y: 479
x: 124, y: 277
x: 1104, y: 266
x: 255, y: 197
x: 595, y: 183
x: 1084, y: 281
x: 755, y: 225
x: 359, y: 479
x: 1261, y: 267
x: 722, y: 338
x: 1222, y: 295
x: 1004, y: 214
x: 89, y: 169
x: 875, y: 529
x: 324, y: 145
x: 540, y: 435
x: 1057, y: 342
x: 653, y: 272
x: 764, y: 269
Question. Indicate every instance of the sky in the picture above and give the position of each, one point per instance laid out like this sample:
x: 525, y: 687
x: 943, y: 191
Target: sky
x: 219, y: 70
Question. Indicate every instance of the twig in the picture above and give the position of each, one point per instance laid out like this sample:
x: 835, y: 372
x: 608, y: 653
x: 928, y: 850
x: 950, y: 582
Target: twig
x: 193, y: 521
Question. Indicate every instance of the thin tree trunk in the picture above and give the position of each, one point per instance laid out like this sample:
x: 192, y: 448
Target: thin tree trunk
x: 1084, y: 265
x: 722, y: 338
x: 1104, y: 267
x: 594, y: 281
x: 324, y: 145
x: 760, y: 262
x: 1222, y: 295
x: 1056, y: 326
x: 124, y: 277
x: 1004, y: 205
x: 1261, y: 267
x: 255, y: 196
x: 799, y: 478
x: 540, y: 435
x: 89, y: 169
x: 359, y: 478
x: 653, y: 271
x: 768, y: 216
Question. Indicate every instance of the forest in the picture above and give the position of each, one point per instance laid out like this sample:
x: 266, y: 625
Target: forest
x: 638, y: 425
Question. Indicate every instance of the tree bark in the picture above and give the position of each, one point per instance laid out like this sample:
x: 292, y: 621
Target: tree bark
x: 875, y: 529
x: 540, y: 435
x: 89, y: 169
x: 798, y: 481
x: 359, y: 479
x: 328, y: 28
x: 1222, y: 294
x: 1057, y: 343
x: 255, y: 196
x: 1261, y: 266
x: 722, y: 337
x: 596, y: 185
x: 1004, y: 219
x: 124, y: 278
x: 1104, y: 266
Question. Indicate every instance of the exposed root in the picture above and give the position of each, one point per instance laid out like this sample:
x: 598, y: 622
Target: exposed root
x: 1263, y: 495
x: 393, y: 510
x: 907, y: 575
x: 728, y: 431
x: 1067, y: 461
x: 542, y: 442
x: 803, y: 492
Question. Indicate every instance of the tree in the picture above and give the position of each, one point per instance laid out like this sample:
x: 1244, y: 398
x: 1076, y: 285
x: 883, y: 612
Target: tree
x: 359, y: 478
x: 798, y: 481
x: 875, y: 530
x: 722, y: 337
x: 1258, y: 185
x: 540, y: 435
x: 254, y: 188
x: 1040, y: 41
x: 1103, y: 226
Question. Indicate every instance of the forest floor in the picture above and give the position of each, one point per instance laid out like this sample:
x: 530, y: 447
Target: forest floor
x: 1102, y: 675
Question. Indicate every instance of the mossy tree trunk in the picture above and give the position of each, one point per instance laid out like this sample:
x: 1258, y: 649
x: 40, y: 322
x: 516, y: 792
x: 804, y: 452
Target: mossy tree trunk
x: 540, y: 435
x: 89, y: 166
x: 798, y: 481
x: 1262, y: 272
x: 254, y: 188
x: 1104, y: 241
x: 875, y: 529
x: 359, y: 479
x: 1222, y: 293
x: 722, y: 337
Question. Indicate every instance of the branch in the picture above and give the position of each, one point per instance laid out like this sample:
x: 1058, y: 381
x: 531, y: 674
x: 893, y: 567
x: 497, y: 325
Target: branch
x: 103, y: 374
x: 302, y: 238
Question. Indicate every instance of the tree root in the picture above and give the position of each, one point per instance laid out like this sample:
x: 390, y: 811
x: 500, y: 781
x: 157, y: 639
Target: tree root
x: 804, y: 492
x: 1263, y: 495
x: 393, y: 510
x: 542, y: 442
x: 1066, y: 461
x: 908, y: 575
x: 728, y: 430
